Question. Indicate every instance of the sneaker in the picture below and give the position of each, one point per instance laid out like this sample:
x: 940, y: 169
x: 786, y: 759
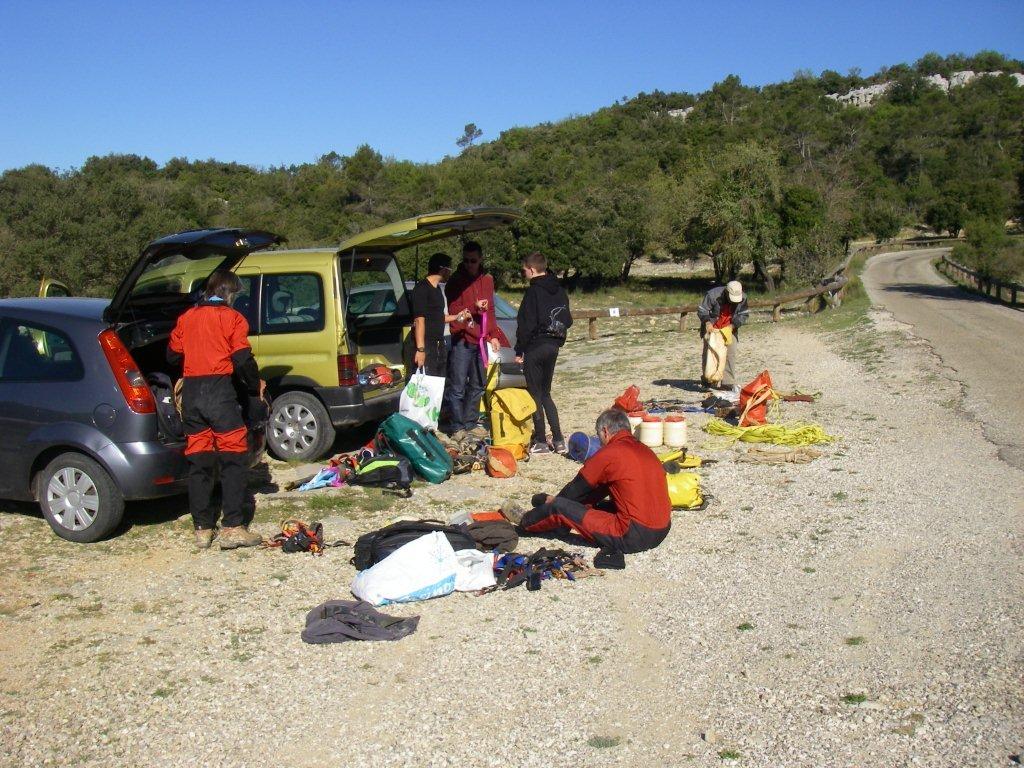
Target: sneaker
x: 239, y: 536
x: 540, y: 448
x: 204, y: 537
x: 558, y: 446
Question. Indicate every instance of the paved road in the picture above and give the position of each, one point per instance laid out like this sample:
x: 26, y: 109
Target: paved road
x: 958, y: 326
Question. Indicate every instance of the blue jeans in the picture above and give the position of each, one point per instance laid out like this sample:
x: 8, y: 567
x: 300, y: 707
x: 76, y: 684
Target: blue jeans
x: 465, y: 385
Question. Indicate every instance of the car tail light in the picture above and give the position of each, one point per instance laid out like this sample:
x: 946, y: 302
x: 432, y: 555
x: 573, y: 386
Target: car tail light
x: 129, y: 378
x: 348, y: 370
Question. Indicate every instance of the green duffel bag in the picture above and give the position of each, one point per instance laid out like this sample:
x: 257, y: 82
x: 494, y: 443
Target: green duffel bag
x: 424, y: 451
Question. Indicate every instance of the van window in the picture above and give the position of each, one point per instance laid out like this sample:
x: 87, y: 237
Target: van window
x: 34, y: 353
x: 375, y: 287
x: 247, y: 302
x: 292, y: 304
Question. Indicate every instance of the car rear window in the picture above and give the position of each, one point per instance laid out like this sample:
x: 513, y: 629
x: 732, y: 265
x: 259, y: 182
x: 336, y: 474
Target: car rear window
x: 30, y: 352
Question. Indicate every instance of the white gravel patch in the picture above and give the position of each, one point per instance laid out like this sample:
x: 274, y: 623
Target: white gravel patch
x: 888, y: 572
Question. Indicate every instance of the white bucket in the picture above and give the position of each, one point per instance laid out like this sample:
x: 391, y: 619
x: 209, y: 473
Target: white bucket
x: 675, y: 433
x: 634, y: 423
x: 652, y: 433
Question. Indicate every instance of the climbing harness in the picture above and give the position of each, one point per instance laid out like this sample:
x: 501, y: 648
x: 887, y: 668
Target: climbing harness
x: 299, y: 536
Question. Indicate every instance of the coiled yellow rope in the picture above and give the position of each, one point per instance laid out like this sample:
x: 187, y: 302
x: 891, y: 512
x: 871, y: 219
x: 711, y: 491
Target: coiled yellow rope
x: 795, y: 433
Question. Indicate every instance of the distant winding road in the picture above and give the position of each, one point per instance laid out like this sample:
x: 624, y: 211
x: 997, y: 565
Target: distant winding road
x: 983, y: 342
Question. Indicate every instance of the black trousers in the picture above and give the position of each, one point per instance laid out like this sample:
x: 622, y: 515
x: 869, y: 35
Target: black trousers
x: 437, y: 357
x: 217, y: 439
x: 539, y: 369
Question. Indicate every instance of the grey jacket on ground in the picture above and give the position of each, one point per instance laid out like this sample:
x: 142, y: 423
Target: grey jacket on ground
x: 711, y: 307
x: 339, y: 620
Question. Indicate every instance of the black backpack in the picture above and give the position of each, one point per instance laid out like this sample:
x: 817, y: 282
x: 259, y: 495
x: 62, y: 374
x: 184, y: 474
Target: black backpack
x: 383, y: 471
x: 167, y: 414
x: 371, y: 548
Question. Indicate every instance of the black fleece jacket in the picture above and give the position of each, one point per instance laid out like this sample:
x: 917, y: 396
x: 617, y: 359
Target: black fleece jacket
x: 545, y: 301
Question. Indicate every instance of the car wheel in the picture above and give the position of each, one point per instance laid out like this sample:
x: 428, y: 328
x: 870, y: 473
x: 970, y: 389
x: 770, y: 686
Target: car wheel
x: 78, y: 498
x: 299, y: 427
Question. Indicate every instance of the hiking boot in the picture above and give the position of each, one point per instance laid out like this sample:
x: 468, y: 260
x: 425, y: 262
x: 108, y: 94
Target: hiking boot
x: 204, y: 537
x: 459, y: 435
x: 512, y: 512
x: 558, y: 446
x: 480, y: 432
x: 540, y: 448
x: 239, y: 536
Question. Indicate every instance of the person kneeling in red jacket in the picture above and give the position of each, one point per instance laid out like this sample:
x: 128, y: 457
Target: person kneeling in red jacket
x: 618, y: 500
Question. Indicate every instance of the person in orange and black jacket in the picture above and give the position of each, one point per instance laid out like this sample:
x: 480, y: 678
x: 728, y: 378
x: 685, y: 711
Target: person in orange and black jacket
x: 470, y: 288
x: 211, y: 342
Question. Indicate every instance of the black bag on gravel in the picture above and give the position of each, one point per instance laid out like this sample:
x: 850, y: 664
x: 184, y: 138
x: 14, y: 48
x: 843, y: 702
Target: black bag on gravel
x: 494, y: 535
x: 382, y: 471
x: 372, y: 547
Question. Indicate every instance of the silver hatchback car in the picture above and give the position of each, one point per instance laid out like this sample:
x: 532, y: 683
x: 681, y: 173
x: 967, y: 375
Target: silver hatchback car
x: 81, y: 432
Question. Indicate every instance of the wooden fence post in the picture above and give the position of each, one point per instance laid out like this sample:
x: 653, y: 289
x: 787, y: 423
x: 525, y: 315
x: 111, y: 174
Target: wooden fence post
x: 777, y: 313
x: 593, y: 328
x: 684, y: 323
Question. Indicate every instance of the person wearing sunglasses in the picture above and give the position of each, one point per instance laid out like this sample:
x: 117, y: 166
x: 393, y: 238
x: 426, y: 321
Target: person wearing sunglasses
x: 470, y: 289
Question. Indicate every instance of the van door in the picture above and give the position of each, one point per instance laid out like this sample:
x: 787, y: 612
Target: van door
x: 297, y: 342
x: 248, y: 303
x: 375, y: 307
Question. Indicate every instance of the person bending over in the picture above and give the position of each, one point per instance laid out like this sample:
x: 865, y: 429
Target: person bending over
x: 211, y: 343
x: 618, y: 500
x: 723, y: 307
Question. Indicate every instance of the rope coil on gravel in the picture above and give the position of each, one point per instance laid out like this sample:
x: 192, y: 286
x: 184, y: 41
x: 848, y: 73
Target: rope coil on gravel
x: 794, y: 433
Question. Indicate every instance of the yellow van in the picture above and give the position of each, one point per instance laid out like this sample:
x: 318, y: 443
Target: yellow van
x: 317, y: 317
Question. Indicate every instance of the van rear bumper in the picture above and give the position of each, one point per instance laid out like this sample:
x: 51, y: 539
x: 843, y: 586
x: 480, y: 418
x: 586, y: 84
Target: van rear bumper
x: 346, y: 406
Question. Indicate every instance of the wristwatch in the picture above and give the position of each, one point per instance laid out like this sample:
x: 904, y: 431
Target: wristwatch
x: 421, y: 349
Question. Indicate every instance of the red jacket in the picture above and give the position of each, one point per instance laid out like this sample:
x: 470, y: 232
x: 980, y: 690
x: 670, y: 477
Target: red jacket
x: 629, y: 472
x: 463, y: 292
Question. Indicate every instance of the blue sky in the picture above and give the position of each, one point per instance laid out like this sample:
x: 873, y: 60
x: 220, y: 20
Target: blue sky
x: 280, y: 83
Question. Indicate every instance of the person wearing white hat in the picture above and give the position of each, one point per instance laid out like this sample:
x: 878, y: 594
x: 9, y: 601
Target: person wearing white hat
x: 723, y: 307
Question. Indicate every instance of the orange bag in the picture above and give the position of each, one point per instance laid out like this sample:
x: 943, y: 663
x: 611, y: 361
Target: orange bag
x: 754, y: 400
x: 628, y: 400
x: 500, y: 462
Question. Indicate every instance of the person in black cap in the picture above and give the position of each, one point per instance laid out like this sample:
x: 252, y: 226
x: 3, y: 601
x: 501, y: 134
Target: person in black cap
x: 425, y: 346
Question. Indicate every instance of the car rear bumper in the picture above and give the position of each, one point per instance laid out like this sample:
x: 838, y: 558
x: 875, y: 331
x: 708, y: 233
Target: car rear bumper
x: 146, y: 470
x: 150, y: 470
x: 346, y: 405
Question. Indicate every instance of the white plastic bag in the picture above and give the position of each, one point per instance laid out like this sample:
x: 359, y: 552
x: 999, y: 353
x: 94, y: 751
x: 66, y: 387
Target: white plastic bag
x: 424, y: 568
x: 475, y: 570
x: 421, y: 399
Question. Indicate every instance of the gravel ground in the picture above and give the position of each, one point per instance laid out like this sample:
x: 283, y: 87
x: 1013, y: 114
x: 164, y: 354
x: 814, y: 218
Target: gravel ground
x: 861, y: 610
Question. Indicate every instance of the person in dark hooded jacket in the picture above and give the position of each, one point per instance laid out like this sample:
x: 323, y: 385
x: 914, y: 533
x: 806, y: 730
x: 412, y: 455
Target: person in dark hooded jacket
x: 544, y: 321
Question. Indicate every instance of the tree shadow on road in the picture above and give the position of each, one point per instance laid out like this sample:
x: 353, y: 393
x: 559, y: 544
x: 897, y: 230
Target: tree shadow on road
x: 946, y: 292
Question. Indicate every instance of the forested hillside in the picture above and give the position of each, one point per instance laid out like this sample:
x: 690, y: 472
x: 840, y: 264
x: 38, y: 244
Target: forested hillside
x: 779, y: 176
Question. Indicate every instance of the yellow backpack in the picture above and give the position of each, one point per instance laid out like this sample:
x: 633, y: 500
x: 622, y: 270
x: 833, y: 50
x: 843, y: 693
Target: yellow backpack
x: 511, y: 411
x: 684, y: 490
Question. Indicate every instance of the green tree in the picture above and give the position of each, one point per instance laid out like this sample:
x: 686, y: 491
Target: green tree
x: 469, y: 134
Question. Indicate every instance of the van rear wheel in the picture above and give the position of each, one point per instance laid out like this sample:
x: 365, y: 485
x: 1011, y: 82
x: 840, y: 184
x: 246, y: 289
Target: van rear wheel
x: 300, y: 428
